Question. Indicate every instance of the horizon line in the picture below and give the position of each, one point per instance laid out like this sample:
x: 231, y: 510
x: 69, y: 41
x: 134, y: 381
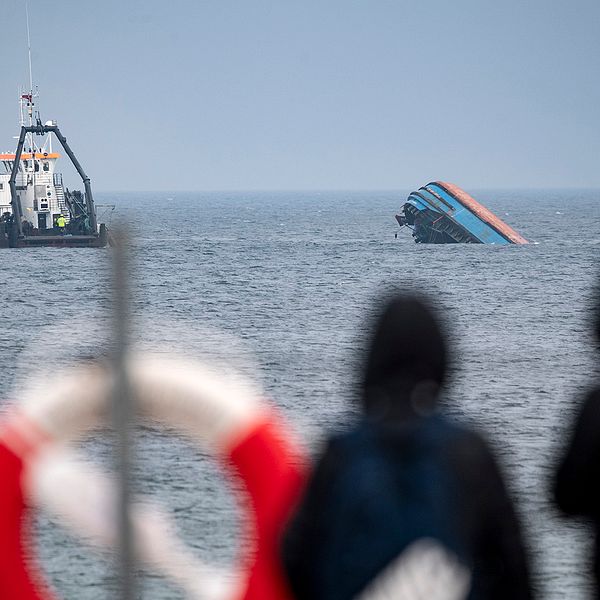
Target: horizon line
x: 328, y: 190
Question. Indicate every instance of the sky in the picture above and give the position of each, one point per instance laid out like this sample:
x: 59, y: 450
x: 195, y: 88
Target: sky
x: 314, y: 95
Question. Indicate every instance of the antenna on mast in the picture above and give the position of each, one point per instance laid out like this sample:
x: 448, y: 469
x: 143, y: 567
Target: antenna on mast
x: 29, y: 47
x: 26, y: 99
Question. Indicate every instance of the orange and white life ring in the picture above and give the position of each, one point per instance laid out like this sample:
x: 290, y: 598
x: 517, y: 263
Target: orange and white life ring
x: 223, y: 414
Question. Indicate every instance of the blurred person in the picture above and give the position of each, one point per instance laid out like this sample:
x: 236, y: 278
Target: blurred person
x: 577, y: 482
x: 61, y: 223
x: 407, y: 504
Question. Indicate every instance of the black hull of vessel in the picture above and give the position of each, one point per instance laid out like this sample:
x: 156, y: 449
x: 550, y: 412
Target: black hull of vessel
x: 99, y: 240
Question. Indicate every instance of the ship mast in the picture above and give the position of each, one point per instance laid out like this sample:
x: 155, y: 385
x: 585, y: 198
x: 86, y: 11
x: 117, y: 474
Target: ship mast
x: 29, y: 48
x: 27, y: 100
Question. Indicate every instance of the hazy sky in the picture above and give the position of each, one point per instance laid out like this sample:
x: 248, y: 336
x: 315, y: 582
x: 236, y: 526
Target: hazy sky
x: 328, y: 94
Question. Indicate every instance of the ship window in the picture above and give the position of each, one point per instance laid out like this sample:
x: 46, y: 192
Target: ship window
x: 37, y: 166
x: 49, y: 194
x: 1, y: 186
x: 46, y: 166
x: 26, y: 164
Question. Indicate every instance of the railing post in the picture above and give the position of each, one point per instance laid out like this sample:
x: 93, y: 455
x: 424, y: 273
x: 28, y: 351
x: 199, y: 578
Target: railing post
x: 123, y: 414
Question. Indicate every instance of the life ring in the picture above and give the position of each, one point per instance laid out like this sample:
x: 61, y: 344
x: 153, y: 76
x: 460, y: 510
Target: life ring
x: 224, y: 415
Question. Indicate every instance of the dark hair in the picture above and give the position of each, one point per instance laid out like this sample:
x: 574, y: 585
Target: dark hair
x: 407, y: 347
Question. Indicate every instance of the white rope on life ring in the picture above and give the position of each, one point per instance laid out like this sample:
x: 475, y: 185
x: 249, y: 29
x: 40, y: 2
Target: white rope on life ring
x: 227, y: 417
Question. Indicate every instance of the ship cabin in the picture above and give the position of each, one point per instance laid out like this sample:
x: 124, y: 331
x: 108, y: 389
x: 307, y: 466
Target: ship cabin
x: 39, y: 188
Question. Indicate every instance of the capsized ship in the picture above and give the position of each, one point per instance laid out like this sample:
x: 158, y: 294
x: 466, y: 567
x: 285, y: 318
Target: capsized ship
x: 35, y: 208
x: 442, y: 213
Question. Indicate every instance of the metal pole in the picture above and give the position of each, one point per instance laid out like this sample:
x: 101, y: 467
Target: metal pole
x: 31, y: 103
x: 12, y: 182
x: 29, y: 52
x: 86, y: 180
x: 123, y: 415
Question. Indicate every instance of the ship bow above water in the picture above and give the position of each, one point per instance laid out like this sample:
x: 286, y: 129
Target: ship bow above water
x: 443, y: 213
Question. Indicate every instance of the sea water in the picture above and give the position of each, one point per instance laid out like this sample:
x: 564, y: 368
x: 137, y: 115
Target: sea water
x: 292, y: 276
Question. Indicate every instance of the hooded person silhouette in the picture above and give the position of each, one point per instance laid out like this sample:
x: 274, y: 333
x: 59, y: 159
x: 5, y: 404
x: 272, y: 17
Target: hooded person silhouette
x: 406, y: 504
x: 577, y: 481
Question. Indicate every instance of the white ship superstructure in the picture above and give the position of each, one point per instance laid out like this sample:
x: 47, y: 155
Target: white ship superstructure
x: 39, y: 187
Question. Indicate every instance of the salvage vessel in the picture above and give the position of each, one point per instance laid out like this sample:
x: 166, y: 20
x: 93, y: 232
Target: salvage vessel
x: 35, y: 207
x: 443, y: 213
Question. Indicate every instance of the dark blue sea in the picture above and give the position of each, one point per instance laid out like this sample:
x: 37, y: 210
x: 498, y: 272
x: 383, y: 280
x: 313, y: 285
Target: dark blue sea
x: 292, y: 277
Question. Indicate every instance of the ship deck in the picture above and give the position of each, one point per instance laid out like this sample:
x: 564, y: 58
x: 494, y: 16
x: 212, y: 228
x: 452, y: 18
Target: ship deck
x: 62, y: 241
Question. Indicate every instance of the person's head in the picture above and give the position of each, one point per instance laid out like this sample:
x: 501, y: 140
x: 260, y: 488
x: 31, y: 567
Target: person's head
x: 406, y: 361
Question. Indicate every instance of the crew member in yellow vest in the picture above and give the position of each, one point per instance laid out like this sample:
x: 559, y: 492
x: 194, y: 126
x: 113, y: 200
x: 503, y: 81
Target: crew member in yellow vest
x: 61, y: 224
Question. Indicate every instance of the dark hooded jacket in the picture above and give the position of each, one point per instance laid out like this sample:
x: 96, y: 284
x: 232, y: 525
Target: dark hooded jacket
x: 402, y: 474
x: 577, y: 482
